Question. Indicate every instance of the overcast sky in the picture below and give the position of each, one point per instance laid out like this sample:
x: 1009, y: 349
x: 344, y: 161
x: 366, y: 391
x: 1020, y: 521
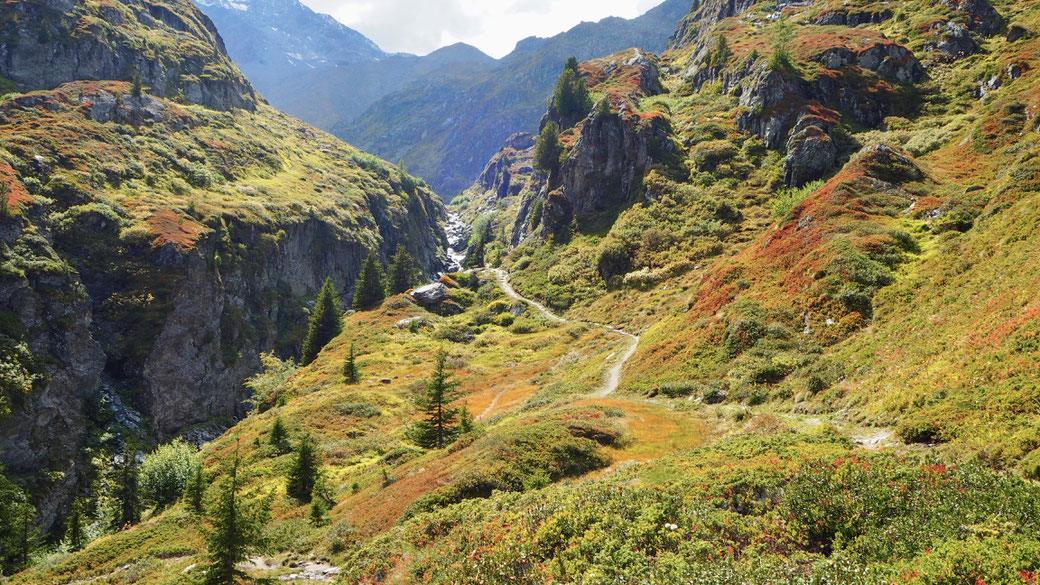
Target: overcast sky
x: 493, y: 26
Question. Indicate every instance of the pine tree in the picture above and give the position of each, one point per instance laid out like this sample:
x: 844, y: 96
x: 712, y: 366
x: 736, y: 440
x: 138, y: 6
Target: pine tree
x: 74, y: 525
x: 235, y: 532
x: 304, y: 471
x: 196, y: 491
x: 278, y: 437
x: 326, y: 322
x: 369, y: 290
x: 128, y: 492
x: 547, y: 150
x: 351, y: 373
x: 439, y: 425
x: 402, y: 274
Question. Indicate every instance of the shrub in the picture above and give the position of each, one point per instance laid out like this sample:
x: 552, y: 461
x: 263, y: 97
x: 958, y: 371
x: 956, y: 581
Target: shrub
x: 165, y: 473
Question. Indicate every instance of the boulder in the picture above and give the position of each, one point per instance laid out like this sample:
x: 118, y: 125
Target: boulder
x: 956, y: 42
x: 982, y: 17
x: 811, y: 151
x: 1016, y: 32
x: 430, y: 295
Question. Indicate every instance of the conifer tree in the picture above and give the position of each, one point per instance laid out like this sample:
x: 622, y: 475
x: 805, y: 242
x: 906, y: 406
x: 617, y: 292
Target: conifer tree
x: 351, y: 373
x: 547, y: 149
x: 721, y: 54
x: 128, y: 492
x: 369, y: 290
x: 475, y: 259
x: 438, y: 427
x: 17, y: 527
x: 136, y: 86
x: 196, y: 491
x: 571, y: 96
x: 326, y: 322
x: 235, y: 532
x: 402, y: 274
x: 304, y: 471
x: 278, y: 437
x: 74, y: 525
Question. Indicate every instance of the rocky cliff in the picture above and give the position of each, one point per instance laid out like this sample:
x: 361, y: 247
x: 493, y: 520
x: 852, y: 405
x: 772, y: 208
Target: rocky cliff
x: 151, y: 249
x: 172, y: 46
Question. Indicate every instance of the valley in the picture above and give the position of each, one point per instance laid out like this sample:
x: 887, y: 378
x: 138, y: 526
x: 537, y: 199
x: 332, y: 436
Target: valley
x: 753, y: 305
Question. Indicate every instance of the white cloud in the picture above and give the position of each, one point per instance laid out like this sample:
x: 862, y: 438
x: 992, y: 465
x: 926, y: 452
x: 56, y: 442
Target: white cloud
x: 494, y: 26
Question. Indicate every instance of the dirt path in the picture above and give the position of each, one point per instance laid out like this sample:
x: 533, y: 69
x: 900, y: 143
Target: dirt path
x: 612, y: 375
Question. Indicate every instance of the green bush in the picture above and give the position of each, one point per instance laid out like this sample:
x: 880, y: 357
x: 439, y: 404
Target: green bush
x: 165, y: 472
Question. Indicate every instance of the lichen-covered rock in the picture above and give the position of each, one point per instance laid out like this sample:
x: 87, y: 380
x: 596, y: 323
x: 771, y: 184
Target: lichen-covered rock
x: 955, y: 41
x: 982, y: 17
x: 811, y: 152
x: 852, y: 17
x: 430, y: 295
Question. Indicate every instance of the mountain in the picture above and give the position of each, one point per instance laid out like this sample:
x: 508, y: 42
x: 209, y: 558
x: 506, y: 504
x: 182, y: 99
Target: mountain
x: 158, y: 233
x: 761, y: 309
x: 273, y: 41
x: 446, y: 125
x: 328, y: 96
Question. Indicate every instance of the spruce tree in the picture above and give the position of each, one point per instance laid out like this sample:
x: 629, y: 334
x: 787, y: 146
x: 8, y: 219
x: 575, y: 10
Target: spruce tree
x: 721, y: 54
x: 402, y: 274
x: 74, y: 525
x: 547, y: 149
x: 235, y: 532
x: 571, y: 96
x: 369, y: 290
x: 128, y: 492
x: 438, y: 426
x: 304, y: 471
x: 278, y: 437
x: 351, y: 373
x: 326, y: 322
x: 196, y: 491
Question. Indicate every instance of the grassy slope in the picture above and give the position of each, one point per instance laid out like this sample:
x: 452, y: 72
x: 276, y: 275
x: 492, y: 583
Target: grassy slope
x: 175, y: 178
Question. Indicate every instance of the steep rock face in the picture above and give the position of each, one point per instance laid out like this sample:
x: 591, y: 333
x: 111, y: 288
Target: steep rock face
x: 501, y: 172
x: 122, y: 279
x: 774, y: 98
x: 704, y: 17
x: 48, y: 310
x: 46, y: 43
x: 612, y: 154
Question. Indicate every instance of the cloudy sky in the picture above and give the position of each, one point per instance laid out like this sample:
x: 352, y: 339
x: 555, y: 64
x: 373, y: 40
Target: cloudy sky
x: 494, y: 26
